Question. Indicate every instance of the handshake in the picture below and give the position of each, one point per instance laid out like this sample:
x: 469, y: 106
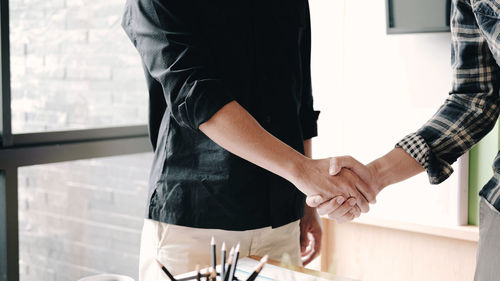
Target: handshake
x: 339, y: 187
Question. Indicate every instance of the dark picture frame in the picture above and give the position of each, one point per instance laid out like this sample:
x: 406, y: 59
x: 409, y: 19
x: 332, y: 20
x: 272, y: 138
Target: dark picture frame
x: 392, y: 28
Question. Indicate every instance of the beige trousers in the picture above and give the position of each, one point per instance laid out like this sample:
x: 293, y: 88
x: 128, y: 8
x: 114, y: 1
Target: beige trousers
x: 181, y: 248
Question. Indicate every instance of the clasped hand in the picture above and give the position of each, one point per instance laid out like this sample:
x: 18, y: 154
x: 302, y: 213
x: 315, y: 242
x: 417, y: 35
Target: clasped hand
x: 339, y: 187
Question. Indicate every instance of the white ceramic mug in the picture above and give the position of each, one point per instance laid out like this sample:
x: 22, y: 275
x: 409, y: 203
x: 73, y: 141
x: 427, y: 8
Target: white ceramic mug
x: 107, y: 277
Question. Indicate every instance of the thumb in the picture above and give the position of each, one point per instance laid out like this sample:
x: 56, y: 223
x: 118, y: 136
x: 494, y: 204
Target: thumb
x: 314, y: 200
x: 336, y: 164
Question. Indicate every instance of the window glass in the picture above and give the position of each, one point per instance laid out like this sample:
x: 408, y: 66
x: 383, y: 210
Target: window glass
x: 82, y: 217
x: 72, y: 67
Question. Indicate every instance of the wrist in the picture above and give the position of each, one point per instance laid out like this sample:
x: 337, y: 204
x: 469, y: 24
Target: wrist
x: 395, y: 166
x: 379, y: 171
x: 295, y: 168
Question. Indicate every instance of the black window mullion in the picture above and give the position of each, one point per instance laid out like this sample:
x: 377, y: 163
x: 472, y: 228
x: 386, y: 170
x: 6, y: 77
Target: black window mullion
x: 53, y: 153
x: 9, y: 228
x: 76, y: 136
x: 5, y: 116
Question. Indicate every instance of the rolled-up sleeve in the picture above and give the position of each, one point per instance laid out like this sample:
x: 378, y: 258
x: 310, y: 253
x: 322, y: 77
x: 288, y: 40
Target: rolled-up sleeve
x: 470, y: 111
x: 308, y: 116
x: 167, y: 37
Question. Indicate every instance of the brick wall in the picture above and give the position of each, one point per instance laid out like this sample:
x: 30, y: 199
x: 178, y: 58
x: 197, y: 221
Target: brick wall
x: 81, y: 218
x: 73, y: 67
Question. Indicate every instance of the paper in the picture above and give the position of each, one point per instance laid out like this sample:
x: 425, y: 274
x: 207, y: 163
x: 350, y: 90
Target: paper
x: 274, y: 273
x: 270, y: 273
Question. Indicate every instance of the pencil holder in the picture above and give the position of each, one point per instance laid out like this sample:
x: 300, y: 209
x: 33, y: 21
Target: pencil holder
x: 226, y: 272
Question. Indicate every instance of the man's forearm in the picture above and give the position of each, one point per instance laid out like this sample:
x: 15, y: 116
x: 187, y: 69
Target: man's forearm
x: 233, y: 128
x: 395, y: 166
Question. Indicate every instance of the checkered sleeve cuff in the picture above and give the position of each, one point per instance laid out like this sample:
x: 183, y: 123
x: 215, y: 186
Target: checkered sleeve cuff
x: 417, y: 147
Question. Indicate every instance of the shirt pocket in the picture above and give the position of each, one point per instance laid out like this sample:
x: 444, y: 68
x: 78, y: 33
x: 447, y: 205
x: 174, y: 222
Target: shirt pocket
x: 487, y: 8
x: 487, y: 13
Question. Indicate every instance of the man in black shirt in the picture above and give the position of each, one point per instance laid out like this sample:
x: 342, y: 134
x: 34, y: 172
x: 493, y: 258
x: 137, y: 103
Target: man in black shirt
x: 231, y: 115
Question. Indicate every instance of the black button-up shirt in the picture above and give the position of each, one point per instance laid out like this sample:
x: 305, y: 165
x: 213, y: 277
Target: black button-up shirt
x: 199, y: 55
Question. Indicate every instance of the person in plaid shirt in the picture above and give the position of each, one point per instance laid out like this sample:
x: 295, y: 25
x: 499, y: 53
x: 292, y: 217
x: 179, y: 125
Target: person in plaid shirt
x: 467, y: 115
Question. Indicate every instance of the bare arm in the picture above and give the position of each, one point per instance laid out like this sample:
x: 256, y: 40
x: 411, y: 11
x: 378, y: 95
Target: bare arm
x: 311, y: 228
x: 233, y: 128
x: 395, y: 166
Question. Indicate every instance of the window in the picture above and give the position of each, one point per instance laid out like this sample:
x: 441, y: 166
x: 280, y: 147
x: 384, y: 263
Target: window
x: 73, y: 67
x: 73, y: 125
x: 82, y: 217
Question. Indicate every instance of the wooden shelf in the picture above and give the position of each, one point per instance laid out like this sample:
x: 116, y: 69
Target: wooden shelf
x: 468, y: 233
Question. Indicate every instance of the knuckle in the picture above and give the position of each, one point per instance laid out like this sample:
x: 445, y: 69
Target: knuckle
x: 334, y: 204
x: 366, y: 209
x: 324, y: 210
x: 332, y: 216
x: 310, y: 202
x: 371, y: 196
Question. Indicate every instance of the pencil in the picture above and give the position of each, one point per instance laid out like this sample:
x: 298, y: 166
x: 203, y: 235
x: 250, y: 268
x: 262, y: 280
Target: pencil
x: 170, y: 276
x: 214, y: 254
x: 235, y: 262
x: 223, y: 261
x: 259, y: 267
x: 213, y: 274
x: 198, y: 275
x: 229, y: 262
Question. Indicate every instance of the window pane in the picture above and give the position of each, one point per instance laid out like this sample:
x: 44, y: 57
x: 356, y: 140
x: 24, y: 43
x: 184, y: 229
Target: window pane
x: 72, y: 66
x: 81, y: 218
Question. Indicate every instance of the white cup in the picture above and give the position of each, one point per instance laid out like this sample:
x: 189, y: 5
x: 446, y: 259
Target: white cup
x: 107, y: 277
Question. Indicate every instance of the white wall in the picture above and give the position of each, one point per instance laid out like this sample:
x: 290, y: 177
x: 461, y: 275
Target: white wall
x: 373, y: 89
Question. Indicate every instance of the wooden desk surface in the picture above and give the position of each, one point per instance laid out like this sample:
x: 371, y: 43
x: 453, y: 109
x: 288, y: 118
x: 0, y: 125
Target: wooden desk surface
x: 300, y: 269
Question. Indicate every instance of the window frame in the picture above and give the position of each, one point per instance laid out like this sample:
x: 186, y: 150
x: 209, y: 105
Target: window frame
x: 19, y: 150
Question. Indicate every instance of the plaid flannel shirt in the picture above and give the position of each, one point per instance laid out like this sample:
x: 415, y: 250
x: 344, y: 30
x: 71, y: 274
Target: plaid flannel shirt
x: 472, y: 108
